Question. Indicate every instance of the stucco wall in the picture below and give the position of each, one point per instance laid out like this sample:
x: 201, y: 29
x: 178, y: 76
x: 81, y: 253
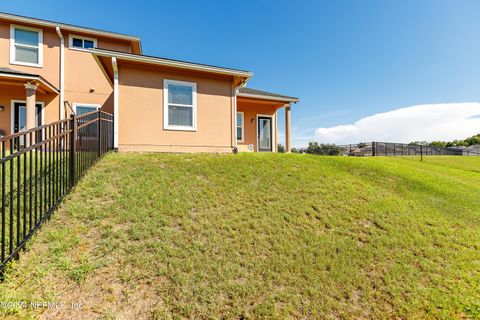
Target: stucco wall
x: 82, y: 73
x: 141, y: 112
x: 84, y: 79
x: 250, y: 113
x: 51, y: 67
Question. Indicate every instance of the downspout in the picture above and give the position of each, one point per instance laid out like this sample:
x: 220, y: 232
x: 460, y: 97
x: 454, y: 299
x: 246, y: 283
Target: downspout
x: 115, y: 103
x: 235, y: 91
x: 62, y: 73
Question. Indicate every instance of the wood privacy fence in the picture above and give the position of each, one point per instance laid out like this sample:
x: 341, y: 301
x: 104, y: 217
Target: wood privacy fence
x: 39, y: 167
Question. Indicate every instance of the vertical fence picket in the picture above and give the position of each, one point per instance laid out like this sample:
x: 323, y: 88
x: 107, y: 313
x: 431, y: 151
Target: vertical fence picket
x: 3, y: 199
x: 30, y: 182
x: 10, y: 235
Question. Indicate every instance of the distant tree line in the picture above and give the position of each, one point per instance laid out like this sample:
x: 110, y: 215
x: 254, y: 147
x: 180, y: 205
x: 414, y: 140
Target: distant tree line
x: 455, y: 143
x: 320, y: 149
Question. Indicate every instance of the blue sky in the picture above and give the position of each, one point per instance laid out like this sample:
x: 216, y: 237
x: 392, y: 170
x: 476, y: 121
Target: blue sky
x: 346, y: 60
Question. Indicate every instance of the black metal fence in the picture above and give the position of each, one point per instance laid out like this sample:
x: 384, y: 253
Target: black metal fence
x: 388, y: 149
x: 396, y: 149
x: 38, y: 168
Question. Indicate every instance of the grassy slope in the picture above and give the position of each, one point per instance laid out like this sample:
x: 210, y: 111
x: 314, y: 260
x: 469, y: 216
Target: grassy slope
x: 261, y: 235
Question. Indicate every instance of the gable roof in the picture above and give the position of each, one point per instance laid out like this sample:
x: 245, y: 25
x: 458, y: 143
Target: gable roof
x: 260, y: 94
x: 70, y: 27
x: 170, y: 62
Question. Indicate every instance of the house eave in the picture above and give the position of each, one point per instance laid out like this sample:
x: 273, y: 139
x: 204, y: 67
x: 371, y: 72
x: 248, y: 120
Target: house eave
x: 171, y: 63
x: 31, y: 78
x: 68, y: 27
x: 265, y: 97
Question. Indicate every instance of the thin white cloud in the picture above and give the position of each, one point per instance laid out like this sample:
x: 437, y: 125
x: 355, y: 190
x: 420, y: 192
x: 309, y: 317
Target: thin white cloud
x: 429, y: 122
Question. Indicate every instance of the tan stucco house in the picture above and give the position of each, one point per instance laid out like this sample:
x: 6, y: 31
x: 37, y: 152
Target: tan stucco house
x: 49, y: 70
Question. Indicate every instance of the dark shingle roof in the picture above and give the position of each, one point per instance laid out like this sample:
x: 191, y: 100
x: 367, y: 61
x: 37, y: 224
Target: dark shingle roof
x: 266, y: 93
x: 11, y: 71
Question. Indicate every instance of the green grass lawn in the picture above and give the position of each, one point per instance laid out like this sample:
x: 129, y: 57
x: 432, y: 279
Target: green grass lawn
x: 259, y: 236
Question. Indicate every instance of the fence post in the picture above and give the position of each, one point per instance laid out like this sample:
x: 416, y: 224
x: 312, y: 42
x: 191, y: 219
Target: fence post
x: 73, y: 147
x: 99, y: 133
x: 111, y: 134
x: 374, y: 149
x: 421, y: 152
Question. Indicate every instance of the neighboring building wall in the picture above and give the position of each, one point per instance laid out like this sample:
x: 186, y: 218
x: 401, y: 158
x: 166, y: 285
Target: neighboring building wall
x: 250, y: 128
x: 141, y: 112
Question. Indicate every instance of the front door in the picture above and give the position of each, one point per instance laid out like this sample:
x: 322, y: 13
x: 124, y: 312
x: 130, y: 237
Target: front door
x: 264, y: 134
x: 20, y: 118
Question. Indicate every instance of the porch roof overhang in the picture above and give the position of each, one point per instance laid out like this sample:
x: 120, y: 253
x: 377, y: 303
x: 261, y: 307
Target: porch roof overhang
x: 265, y: 95
x: 11, y: 77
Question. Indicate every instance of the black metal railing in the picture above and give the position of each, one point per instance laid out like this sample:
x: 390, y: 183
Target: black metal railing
x: 396, y: 149
x: 387, y: 149
x: 40, y: 166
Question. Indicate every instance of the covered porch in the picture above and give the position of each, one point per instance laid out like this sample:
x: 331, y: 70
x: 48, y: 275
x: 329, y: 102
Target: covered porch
x: 257, y: 120
x: 24, y: 98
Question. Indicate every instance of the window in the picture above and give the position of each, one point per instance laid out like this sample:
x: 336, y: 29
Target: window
x: 82, y: 109
x: 79, y: 42
x: 89, y: 132
x: 180, y: 105
x: 26, y: 46
x: 240, y: 126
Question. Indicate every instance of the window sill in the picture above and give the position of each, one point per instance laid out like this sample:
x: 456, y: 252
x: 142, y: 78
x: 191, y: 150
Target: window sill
x: 27, y: 64
x: 179, y: 128
x: 79, y: 49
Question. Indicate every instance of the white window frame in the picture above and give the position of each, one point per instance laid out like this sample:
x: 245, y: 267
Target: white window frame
x: 96, y: 106
x: 70, y: 42
x: 13, y: 58
x: 243, y: 126
x: 93, y: 105
x: 166, y: 126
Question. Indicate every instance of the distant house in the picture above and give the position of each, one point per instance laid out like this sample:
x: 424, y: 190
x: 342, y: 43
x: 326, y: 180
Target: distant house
x: 49, y: 70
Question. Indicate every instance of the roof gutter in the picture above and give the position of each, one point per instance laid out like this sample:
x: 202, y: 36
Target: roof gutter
x: 115, y: 103
x: 171, y: 63
x: 62, y: 72
x: 234, y: 124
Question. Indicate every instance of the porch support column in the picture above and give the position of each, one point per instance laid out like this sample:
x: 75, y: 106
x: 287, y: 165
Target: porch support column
x: 30, y: 89
x: 288, y: 147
